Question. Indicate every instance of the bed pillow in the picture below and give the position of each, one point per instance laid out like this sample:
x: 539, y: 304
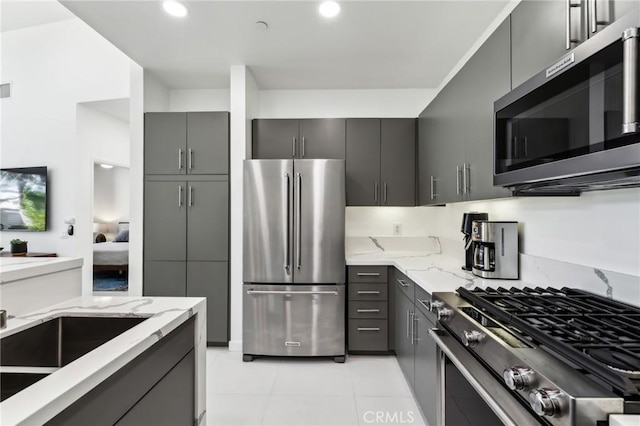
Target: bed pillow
x: 122, y: 237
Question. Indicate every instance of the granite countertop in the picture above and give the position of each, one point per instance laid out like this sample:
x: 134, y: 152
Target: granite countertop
x: 43, y: 400
x: 20, y: 268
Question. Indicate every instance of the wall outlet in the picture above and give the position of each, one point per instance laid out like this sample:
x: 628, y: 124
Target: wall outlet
x: 397, y: 229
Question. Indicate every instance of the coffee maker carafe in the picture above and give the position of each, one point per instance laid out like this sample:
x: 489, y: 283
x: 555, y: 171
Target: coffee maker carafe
x: 466, y: 228
x: 495, y: 249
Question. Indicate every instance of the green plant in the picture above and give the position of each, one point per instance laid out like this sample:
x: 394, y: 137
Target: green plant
x: 17, y: 242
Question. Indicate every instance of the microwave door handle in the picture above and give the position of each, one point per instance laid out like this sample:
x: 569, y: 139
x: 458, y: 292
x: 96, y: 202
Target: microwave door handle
x: 630, y: 119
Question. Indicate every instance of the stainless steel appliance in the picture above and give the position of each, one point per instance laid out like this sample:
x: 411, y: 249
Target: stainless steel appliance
x: 536, y: 356
x: 294, y: 262
x: 575, y: 126
x: 495, y: 249
x: 466, y: 228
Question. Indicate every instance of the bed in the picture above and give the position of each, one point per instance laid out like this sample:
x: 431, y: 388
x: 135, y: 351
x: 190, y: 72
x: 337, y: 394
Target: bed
x: 113, y: 255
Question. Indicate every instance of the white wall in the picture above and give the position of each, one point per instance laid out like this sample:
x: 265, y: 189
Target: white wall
x: 156, y: 94
x: 598, y: 229
x: 136, y: 176
x: 54, y: 67
x: 199, y: 100
x: 343, y: 103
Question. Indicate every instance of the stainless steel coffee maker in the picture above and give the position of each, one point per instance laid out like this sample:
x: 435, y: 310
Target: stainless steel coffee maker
x: 495, y: 249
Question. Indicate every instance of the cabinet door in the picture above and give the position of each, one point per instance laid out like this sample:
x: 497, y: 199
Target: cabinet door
x: 207, y: 143
x: 404, y: 345
x: 211, y: 280
x: 165, y: 279
x: 398, y: 161
x: 426, y: 369
x: 275, y: 139
x: 165, y: 143
x: 208, y: 220
x: 165, y: 219
x: 363, y: 162
x: 491, y: 65
x: 322, y: 138
x: 538, y: 36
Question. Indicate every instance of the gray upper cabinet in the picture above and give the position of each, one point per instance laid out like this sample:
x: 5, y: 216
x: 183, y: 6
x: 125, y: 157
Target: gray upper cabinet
x: 165, y: 220
x: 208, y: 221
x: 455, y: 148
x: 363, y: 161
x: 398, y: 161
x: 539, y: 30
x: 178, y: 143
x: 320, y: 138
x: 380, y: 165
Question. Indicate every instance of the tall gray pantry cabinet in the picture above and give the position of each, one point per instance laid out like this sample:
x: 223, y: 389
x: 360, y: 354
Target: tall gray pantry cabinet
x: 186, y: 211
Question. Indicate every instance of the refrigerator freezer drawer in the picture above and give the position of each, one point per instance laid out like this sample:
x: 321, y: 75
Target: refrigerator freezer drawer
x: 293, y: 320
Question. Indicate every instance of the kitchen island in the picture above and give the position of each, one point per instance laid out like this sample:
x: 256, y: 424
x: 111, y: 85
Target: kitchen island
x: 66, y: 387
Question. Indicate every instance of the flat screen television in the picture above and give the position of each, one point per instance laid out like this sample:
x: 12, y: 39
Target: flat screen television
x: 23, y: 199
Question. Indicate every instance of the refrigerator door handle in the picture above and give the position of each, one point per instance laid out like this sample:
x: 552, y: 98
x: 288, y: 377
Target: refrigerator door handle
x: 297, y: 220
x: 287, y: 223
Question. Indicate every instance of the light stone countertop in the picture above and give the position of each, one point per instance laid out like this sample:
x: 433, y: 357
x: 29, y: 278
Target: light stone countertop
x: 43, y: 400
x: 20, y: 268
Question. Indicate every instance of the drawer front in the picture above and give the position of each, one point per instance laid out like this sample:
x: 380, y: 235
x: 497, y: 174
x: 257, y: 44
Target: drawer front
x: 367, y: 291
x: 423, y: 303
x: 402, y: 282
x: 368, y: 335
x: 368, y: 309
x: 367, y: 274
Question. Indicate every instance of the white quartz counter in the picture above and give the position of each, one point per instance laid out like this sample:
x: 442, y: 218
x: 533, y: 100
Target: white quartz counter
x: 20, y: 268
x: 624, y: 420
x: 46, y: 398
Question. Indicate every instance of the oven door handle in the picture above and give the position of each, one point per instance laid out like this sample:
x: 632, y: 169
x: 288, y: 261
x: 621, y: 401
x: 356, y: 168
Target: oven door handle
x: 503, y: 404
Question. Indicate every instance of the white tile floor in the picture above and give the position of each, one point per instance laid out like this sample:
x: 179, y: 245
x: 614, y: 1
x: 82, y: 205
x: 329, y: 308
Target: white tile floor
x: 365, y: 390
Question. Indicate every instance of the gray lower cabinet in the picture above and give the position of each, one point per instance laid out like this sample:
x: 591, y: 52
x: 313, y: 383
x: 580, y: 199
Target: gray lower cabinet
x: 367, y: 309
x: 380, y: 161
x: 155, y: 388
x: 211, y: 280
x: 208, y: 220
x: 165, y: 278
x: 425, y: 362
x: 178, y: 143
x: 165, y: 220
x: 455, y: 131
x: 304, y: 139
x: 404, y: 344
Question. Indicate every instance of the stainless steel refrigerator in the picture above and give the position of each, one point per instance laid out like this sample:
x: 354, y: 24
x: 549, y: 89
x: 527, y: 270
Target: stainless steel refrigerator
x: 294, y: 264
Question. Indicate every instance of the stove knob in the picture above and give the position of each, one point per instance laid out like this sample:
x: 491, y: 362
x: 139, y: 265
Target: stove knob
x: 444, y: 314
x: 518, y: 378
x: 545, y: 402
x: 435, y: 304
x: 472, y: 338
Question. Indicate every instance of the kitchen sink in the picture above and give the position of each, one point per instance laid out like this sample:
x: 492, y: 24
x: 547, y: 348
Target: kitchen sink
x: 60, y: 341
x: 12, y: 383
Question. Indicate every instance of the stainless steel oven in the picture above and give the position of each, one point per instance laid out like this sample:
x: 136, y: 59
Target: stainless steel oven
x: 576, y: 124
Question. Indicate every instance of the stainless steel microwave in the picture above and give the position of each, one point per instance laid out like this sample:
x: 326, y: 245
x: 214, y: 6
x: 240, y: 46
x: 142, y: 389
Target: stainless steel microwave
x: 575, y: 126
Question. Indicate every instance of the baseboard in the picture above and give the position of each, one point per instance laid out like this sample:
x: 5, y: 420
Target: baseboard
x: 235, y: 346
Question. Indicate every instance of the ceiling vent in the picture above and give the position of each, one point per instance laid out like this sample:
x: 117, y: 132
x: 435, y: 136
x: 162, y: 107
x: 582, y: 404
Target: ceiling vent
x: 5, y: 90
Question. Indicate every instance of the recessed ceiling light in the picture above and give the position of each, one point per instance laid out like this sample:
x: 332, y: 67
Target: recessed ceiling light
x: 329, y: 9
x: 175, y: 8
x: 106, y: 166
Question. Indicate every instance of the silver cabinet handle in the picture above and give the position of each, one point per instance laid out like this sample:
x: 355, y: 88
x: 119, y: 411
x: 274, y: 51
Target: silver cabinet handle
x: 458, y: 180
x: 368, y: 274
x: 414, y: 334
x: 302, y: 148
x: 293, y: 144
x: 466, y: 180
x: 368, y: 292
x: 433, y: 188
x: 593, y: 15
x: 427, y: 307
x: 179, y: 195
x: 375, y: 192
x: 408, y: 316
x: 190, y: 160
x: 384, y: 192
x: 411, y: 322
x: 569, y: 40
x: 368, y: 328
x: 190, y: 196
x: 180, y: 159
x: 298, y: 218
x: 367, y: 311
x: 402, y: 283
x: 293, y: 292
x: 287, y: 222
x: 630, y: 119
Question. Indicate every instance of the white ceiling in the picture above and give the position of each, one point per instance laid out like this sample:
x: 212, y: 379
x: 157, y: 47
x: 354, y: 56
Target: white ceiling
x: 370, y: 45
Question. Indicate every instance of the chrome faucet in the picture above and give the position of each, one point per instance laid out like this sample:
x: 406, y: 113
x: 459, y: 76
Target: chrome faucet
x: 3, y: 318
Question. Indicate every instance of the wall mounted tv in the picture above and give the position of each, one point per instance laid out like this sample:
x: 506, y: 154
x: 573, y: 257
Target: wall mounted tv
x: 23, y: 199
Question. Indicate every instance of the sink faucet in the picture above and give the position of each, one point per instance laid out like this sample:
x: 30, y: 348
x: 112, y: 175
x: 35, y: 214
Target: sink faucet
x: 3, y: 318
